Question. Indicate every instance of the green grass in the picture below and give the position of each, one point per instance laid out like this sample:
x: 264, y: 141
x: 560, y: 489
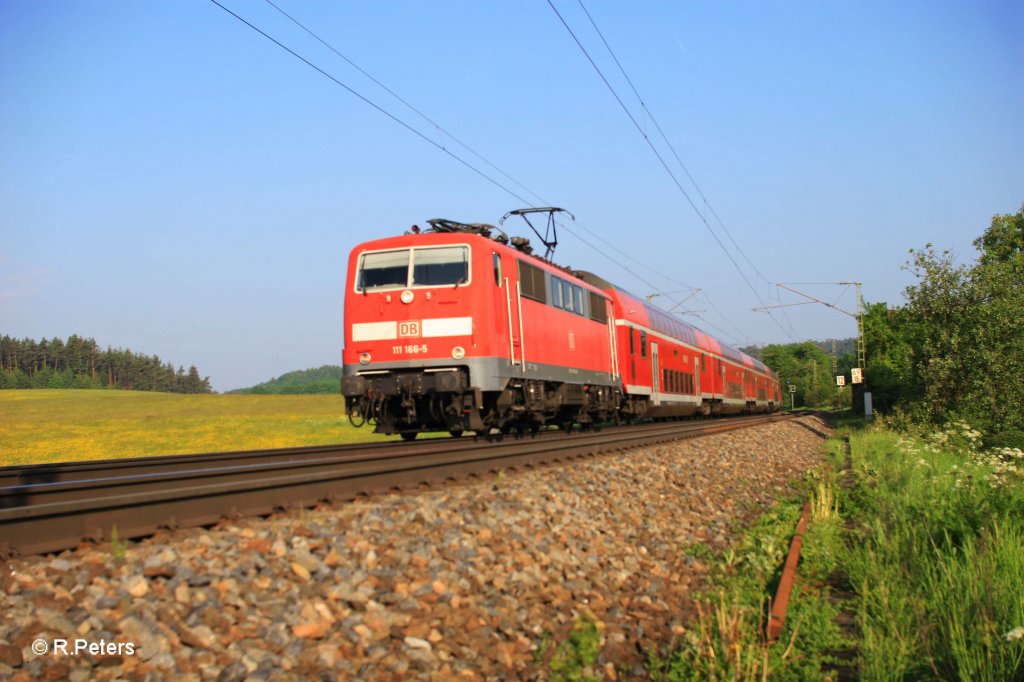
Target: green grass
x: 53, y: 425
x: 728, y: 640
x: 936, y: 559
x: 574, y: 658
x: 926, y: 532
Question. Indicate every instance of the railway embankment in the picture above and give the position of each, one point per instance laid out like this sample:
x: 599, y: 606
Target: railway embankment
x: 485, y: 579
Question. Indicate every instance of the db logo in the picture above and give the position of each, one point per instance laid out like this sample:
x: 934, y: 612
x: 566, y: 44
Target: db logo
x: 409, y: 328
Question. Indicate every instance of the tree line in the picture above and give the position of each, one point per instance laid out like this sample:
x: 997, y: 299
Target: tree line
x: 954, y: 351
x: 808, y: 368
x: 80, y: 363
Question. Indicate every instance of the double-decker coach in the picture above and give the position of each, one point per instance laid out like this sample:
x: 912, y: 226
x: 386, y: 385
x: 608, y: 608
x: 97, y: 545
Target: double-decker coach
x: 670, y: 368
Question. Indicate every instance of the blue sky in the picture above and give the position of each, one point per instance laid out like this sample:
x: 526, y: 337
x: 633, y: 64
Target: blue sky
x: 174, y: 183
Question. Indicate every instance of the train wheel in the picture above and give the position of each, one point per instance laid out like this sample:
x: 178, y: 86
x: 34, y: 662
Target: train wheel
x: 409, y: 435
x: 455, y: 433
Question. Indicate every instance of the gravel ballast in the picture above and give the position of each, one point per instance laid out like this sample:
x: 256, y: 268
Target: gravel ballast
x: 478, y: 580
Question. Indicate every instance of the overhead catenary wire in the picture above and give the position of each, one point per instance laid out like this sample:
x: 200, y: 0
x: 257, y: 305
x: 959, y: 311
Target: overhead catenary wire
x: 372, y: 104
x: 426, y: 118
x: 440, y: 128
x: 412, y: 108
x: 664, y: 164
x: 675, y: 154
x: 434, y: 143
x: 704, y: 320
x: 717, y: 310
x: 668, y: 143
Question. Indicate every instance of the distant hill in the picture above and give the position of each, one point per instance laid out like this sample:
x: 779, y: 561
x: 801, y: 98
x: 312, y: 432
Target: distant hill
x: 843, y: 346
x: 320, y: 380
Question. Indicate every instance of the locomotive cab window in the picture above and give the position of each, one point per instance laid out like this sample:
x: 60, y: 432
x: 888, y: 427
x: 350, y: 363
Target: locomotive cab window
x: 446, y: 265
x: 423, y: 267
x: 497, y: 269
x: 383, y: 269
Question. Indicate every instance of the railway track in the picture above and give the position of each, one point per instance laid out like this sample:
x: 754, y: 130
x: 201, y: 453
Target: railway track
x: 53, y: 507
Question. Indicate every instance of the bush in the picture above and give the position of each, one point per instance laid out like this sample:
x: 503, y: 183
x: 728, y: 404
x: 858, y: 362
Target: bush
x: 1009, y: 438
x: 936, y: 559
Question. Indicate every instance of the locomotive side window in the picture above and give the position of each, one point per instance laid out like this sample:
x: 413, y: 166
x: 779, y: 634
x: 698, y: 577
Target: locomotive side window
x: 643, y: 344
x: 531, y: 282
x: 556, y: 292
x: 573, y: 298
x: 383, y: 269
x: 441, y: 266
x: 598, y: 312
x: 497, y: 269
x: 632, y: 350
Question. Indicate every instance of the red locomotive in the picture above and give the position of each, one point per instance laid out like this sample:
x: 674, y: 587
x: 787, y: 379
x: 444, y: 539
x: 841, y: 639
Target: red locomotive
x: 457, y: 328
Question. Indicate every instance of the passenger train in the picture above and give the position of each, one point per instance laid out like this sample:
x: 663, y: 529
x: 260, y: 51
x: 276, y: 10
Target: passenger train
x: 458, y: 328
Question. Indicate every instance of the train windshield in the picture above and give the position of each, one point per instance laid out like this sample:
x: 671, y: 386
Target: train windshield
x: 446, y: 265
x: 383, y: 269
x: 441, y: 266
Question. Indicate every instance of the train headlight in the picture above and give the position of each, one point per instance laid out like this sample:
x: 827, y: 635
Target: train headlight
x: 407, y: 296
x: 458, y: 352
x: 364, y: 358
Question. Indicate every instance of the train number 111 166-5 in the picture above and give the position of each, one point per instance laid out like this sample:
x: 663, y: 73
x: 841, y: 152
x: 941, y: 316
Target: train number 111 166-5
x: 411, y: 349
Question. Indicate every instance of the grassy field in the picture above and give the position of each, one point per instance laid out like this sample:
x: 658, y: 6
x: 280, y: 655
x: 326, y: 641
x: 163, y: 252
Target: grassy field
x: 923, y: 536
x: 38, y: 426
x: 935, y: 556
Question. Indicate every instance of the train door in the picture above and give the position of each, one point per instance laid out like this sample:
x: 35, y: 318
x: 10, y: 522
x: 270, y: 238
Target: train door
x: 512, y: 307
x: 500, y: 308
x: 696, y: 373
x: 655, y: 375
x: 612, y: 340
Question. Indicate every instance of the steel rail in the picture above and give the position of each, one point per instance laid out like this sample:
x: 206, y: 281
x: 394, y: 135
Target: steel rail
x: 88, y: 501
x: 60, y: 472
